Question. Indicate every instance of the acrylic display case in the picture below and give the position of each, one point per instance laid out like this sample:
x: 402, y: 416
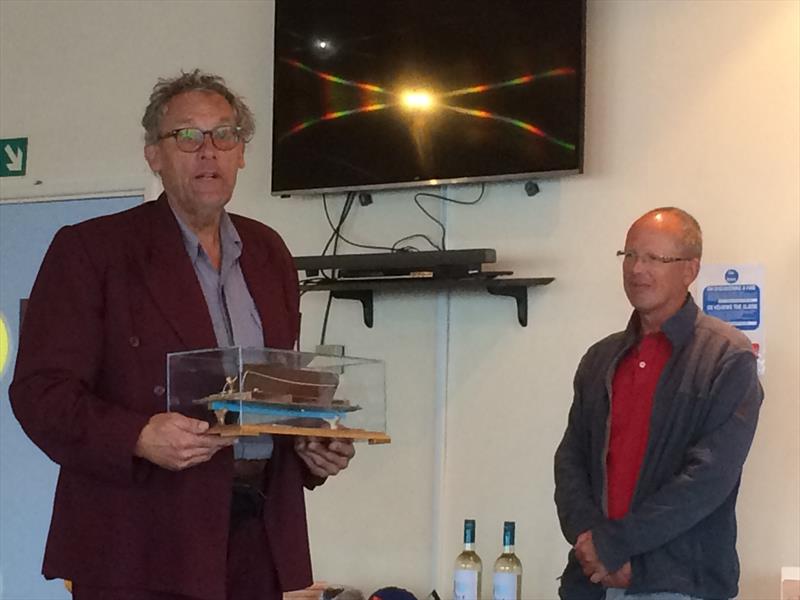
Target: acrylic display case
x: 251, y: 391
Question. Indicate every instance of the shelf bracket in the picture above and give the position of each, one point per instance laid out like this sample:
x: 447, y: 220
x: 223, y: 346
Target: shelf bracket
x: 519, y: 293
x: 363, y: 296
x: 516, y: 288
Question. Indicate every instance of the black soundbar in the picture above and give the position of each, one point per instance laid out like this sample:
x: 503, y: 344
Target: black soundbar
x: 436, y: 263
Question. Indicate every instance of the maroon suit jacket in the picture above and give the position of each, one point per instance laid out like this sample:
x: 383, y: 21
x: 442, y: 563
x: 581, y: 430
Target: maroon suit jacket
x: 113, y: 296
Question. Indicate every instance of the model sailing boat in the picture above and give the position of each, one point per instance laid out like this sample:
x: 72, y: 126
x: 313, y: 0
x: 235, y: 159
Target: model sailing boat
x: 295, y: 401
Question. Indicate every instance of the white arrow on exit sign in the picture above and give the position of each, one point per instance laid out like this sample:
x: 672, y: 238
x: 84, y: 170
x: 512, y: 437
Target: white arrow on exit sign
x: 15, y: 158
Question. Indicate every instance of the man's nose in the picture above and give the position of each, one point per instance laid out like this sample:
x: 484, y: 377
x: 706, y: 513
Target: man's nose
x: 207, y: 148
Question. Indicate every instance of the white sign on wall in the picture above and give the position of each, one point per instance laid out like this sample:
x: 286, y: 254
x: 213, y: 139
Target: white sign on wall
x: 735, y: 294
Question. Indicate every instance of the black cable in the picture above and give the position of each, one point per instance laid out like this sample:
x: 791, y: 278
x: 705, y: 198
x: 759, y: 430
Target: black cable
x: 419, y: 195
x: 430, y: 216
x: 335, y: 235
x: 454, y: 201
x: 325, y: 319
x: 412, y: 248
x: 337, y: 231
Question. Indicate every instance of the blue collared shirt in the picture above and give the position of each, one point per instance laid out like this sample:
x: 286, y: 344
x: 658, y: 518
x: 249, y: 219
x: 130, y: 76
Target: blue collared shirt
x: 233, y: 313
x: 231, y: 307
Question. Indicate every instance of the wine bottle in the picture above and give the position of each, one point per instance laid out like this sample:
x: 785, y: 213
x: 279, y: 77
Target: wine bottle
x: 467, y: 576
x: 507, y: 575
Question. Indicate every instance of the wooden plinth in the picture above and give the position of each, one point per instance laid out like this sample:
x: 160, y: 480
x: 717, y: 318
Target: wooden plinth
x: 373, y: 437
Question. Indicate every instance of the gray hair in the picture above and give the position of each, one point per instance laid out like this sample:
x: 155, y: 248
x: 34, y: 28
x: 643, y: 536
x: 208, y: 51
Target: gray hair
x: 691, y: 236
x: 168, y: 88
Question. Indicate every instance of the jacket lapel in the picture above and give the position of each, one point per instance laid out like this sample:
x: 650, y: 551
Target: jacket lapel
x: 272, y: 287
x: 172, y: 282
x: 255, y: 267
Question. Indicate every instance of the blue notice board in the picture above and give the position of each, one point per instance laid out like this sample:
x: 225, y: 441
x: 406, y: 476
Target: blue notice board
x: 737, y: 304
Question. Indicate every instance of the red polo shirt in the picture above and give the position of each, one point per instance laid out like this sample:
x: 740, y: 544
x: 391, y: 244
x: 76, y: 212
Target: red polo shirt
x: 632, y: 402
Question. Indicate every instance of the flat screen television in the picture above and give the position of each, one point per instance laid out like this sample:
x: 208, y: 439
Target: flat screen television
x: 374, y: 94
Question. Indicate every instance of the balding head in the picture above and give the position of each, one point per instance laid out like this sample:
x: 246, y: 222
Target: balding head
x: 690, y: 237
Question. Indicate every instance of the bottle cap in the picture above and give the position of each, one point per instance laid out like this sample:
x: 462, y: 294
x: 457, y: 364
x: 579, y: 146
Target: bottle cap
x: 508, y: 533
x: 469, y: 531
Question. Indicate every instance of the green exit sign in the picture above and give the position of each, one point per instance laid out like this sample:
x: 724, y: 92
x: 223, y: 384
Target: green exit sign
x: 13, y: 156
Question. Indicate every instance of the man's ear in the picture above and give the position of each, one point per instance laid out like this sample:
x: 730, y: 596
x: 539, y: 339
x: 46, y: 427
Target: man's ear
x: 692, y: 268
x: 152, y: 154
x: 241, y: 157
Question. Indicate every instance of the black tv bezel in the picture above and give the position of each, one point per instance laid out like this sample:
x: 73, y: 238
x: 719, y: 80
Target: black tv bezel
x: 467, y: 180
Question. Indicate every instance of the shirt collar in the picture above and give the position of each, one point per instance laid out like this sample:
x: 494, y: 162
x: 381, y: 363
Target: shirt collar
x: 678, y: 328
x: 229, y: 239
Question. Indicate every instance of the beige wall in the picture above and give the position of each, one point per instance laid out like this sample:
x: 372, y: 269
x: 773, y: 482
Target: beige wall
x: 689, y: 103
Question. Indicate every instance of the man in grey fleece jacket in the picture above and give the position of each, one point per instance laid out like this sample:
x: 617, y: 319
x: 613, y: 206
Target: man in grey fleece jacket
x: 664, y: 412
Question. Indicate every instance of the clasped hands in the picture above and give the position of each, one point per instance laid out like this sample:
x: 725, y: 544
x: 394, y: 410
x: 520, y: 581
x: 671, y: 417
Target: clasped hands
x: 324, y: 457
x: 176, y: 442
x: 594, y: 569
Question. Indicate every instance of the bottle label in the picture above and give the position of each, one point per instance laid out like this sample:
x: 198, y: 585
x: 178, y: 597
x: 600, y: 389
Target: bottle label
x: 465, y: 585
x: 504, y: 586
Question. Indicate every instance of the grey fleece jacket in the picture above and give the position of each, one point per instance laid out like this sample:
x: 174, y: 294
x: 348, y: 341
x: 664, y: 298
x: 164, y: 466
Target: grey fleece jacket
x: 680, y: 532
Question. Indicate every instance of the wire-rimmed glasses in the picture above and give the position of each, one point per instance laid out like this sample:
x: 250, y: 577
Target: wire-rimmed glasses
x: 648, y: 258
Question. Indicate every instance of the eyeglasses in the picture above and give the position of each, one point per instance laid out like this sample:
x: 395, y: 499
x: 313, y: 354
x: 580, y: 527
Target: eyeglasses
x: 648, y: 258
x: 190, y: 139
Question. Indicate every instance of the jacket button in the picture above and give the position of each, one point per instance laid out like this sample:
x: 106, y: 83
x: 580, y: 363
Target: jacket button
x: 159, y: 390
x: 134, y: 341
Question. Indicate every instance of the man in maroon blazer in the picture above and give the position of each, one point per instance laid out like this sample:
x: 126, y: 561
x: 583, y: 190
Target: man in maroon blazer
x: 148, y: 506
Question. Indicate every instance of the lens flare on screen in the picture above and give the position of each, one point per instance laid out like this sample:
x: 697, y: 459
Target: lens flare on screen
x: 5, y: 344
x: 420, y: 101
x: 483, y: 114
x: 417, y: 100
x: 525, y: 79
x: 334, y: 115
x: 368, y: 87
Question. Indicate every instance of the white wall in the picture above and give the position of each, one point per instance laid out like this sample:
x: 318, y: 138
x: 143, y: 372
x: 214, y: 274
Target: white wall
x: 689, y: 103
